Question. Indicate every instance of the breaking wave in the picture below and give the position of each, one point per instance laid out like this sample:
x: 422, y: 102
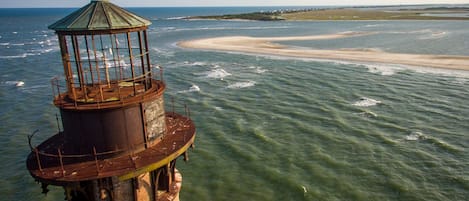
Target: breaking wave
x: 217, y: 74
x: 17, y: 83
x: 239, y: 85
x: 193, y: 88
x: 366, y: 102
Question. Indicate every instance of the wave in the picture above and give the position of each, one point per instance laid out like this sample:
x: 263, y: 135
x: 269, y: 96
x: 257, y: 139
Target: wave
x: 193, y: 88
x: 368, y: 114
x: 24, y: 55
x: 428, y: 33
x: 239, y: 85
x: 383, y: 69
x: 162, y: 52
x: 17, y: 83
x: 373, y: 25
x: 33, y: 52
x: 259, y: 70
x: 419, y: 136
x: 414, y: 136
x: 434, y: 35
x: 176, y: 18
x: 34, y: 89
x: 17, y: 44
x: 197, y: 63
x: 366, y: 102
x: 217, y: 74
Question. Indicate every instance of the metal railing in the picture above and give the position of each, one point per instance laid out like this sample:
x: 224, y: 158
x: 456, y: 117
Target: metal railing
x: 59, y: 158
x: 66, y: 93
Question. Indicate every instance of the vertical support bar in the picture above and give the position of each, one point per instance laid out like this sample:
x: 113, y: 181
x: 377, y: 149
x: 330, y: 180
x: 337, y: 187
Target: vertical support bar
x: 98, y: 74
x: 186, y: 156
x: 76, y: 48
x: 58, y: 124
x: 96, y: 159
x: 131, y: 62
x: 38, y: 159
x: 58, y: 91
x: 116, y: 61
x: 154, y: 191
x: 144, y: 123
x: 65, y: 59
x: 135, y: 187
x: 168, y: 176
x: 61, y: 162
x: 105, y: 62
x: 116, y: 40
x: 52, y: 84
x: 66, y: 64
x: 89, y: 59
x: 147, y: 54
x: 142, y: 61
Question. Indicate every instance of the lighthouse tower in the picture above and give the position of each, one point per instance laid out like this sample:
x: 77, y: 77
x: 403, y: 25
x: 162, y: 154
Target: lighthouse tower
x: 116, y: 141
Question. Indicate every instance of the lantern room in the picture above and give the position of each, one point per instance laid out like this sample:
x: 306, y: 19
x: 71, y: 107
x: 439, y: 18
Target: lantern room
x: 105, y: 56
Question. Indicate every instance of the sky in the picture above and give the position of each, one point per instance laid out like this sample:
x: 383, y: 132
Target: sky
x: 196, y: 3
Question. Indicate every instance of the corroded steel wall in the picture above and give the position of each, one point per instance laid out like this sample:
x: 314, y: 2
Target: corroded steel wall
x: 108, y: 130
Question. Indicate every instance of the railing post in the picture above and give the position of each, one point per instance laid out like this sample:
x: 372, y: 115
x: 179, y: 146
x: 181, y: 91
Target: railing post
x: 96, y: 159
x: 58, y: 124
x: 52, y: 86
x: 61, y: 162
x: 58, y: 90
x: 38, y: 159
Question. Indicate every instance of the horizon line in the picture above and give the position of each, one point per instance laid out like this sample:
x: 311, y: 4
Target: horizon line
x: 260, y: 6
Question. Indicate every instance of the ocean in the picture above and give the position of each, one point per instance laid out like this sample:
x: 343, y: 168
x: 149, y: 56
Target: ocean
x: 269, y: 127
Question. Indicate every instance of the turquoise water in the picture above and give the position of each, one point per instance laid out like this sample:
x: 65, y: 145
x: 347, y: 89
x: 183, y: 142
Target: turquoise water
x: 272, y: 128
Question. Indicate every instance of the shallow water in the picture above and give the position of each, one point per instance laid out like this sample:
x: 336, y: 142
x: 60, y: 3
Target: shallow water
x: 273, y: 128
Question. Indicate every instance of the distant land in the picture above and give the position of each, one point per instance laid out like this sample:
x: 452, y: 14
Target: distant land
x: 351, y: 13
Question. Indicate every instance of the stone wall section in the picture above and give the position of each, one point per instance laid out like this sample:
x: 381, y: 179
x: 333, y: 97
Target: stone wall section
x: 155, y: 119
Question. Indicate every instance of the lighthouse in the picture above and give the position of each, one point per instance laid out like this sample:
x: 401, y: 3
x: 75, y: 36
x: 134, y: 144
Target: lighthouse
x: 115, y: 141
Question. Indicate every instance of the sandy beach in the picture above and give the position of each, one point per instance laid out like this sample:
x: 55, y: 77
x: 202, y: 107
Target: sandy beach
x: 267, y: 46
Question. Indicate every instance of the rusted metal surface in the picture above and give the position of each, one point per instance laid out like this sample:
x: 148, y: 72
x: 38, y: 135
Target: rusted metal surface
x: 106, y: 130
x: 99, y: 15
x: 47, y: 164
x: 116, y: 95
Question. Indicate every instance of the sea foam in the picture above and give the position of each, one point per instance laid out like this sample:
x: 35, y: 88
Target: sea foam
x: 414, y: 136
x: 193, y: 88
x: 383, y: 69
x: 17, y: 83
x: 239, y: 85
x: 217, y: 74
x: 366, y: 102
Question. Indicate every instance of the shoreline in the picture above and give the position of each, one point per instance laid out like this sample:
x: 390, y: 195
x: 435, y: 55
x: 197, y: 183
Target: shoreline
x: 266, y: 46
x: 353, y: 13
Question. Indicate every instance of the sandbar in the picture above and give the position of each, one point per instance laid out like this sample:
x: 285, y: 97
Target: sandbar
x: 267, y: 46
